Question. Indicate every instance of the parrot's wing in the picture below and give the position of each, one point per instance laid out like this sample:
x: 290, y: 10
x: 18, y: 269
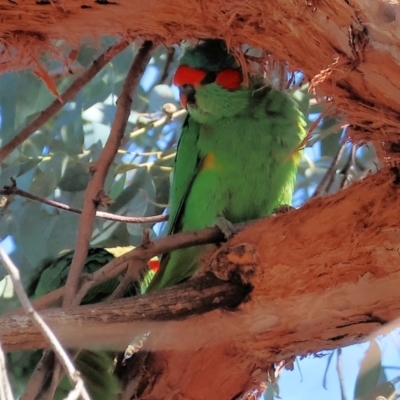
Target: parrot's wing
x: 187, y: 163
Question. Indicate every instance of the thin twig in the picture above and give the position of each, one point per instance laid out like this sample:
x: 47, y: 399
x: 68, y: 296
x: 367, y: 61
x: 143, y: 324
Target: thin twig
x: 324, y: 380
x: 41, y: 325
x: 327, y: 180
x: 157, y: 123
x: 68, y: 95
x: 5, y: 387
x: 55, y: 380
x: 12, y: 190
x: 41, y: 374
x: 340, y: 374
x: 167, y: 65
x: 346, y: 169
x: 100, y: 170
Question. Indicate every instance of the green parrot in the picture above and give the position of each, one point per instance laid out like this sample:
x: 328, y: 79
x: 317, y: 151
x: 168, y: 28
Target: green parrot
x: 237, y: 155
x: 96, y: 366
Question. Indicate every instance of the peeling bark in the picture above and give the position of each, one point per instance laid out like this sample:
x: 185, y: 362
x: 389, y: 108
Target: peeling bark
x: 349, y: 49
x: 324, y: 276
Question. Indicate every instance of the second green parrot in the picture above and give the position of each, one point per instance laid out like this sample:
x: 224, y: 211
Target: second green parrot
x: 96, y: 367
x: 237, y: 156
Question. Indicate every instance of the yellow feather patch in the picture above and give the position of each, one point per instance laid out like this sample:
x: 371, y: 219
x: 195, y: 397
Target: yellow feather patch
x: 208, y: 162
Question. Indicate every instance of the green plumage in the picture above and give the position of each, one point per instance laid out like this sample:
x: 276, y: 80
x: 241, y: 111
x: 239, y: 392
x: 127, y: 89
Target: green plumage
x: 234, y: 158
x: 95, y: 366
x: 52, y: 274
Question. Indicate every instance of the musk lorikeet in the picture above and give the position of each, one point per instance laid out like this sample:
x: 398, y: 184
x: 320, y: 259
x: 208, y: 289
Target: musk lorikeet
x: 236, y: 156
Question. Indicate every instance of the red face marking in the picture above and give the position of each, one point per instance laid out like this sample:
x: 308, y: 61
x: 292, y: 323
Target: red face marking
x: 154, y: 265
x: 229, y: 79
x: 189, y: 76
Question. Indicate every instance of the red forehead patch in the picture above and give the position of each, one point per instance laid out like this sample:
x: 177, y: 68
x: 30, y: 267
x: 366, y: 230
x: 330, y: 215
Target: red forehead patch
x: 229, y: 79
x: 186, y: 75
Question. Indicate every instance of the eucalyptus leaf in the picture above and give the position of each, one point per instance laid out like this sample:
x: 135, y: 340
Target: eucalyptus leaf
x: 7, y: 173
x: 137, y: 208
x: 75, y: 177
x: 98, y: 91
x: 370, y: 370
x: 118, y: 186
x: 44, y: 183
x: 63, y: 233
x: 6, y: 288
x: 35, y: 226
x: 8, y: 105
x: 72, y: 136
x: 54, y: 164
x: 31, y: 149
x: 123, y: 168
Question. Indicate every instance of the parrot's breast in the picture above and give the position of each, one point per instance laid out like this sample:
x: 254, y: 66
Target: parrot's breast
x: 208, y: 162
x: 247, y: 169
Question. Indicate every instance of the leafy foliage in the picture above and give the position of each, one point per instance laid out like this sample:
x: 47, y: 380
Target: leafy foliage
x: 54, y: 162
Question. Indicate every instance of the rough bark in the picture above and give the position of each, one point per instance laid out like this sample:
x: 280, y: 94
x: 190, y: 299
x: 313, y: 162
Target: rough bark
x: 349, y: 49
x: 324, y: 276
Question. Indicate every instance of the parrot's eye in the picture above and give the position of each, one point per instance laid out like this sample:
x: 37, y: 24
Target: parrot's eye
x: 189, y: 76
x: 229, y: 79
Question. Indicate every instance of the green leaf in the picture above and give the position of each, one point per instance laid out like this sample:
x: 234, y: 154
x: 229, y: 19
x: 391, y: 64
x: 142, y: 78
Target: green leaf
x: 75, y: 177
x: 96, y: 132
x: 123, y: 168
x: 44, y: 183
x: 31, y: 149
x: 27, y: 165
x: 8, y: 105
x: 72, y: 134
x: 33, y: 97
x: 6, y: 288
x: 117, y: 186
x: 7, y: 173
x: 137, y: 208
x: 370, y: 371
x: 271, y: 392
x: 97, y: 91
x: 63, y: 233
x: 34, y: 227
x: 118, y: 232
x: 87, y: 54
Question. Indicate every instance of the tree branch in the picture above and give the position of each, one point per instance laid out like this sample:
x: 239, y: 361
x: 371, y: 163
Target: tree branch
x: 100, y: 170
x: 13, y: 190
x: 68, y: 95
x: 197, y: 296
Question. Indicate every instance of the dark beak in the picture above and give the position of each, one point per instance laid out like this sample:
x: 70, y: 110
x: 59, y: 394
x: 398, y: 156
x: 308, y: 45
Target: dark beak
x: 187, y: 95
